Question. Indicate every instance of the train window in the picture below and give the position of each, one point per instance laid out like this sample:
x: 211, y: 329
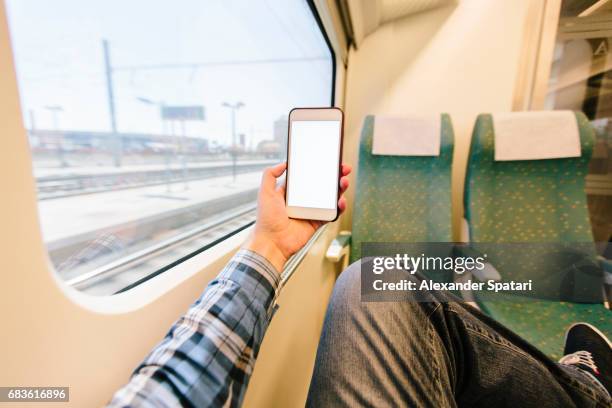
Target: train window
x: 150, y: 122
x: 581, y: 79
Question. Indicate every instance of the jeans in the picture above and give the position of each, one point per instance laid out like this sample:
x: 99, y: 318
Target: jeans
x: 441, y: 353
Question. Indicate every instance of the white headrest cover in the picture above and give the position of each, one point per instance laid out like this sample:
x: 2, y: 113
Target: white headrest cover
x: 401, y: 136
x: 536, y: 135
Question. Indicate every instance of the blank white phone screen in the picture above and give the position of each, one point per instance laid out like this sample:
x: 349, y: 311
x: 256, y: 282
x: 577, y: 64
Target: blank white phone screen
x: 314, y: 151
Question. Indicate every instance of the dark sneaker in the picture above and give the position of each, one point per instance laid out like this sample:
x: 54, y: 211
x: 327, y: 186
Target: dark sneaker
x: 589, y: 349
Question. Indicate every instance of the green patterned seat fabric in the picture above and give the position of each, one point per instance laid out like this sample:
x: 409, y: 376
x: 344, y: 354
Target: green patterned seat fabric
x: 544, y: 323
x: 531, y: 201
x: 402, y: 198
x: 527, y: 200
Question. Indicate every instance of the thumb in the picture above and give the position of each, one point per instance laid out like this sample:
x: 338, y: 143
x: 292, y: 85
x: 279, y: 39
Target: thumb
x: 270, y: 174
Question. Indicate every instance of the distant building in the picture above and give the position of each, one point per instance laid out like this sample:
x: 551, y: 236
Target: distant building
x: 270, y: 149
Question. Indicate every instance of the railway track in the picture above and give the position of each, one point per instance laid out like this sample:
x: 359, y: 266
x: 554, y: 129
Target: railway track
x: 67, y: 185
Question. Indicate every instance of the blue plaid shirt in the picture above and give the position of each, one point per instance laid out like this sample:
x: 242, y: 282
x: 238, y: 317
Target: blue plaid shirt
x: 207, y: 357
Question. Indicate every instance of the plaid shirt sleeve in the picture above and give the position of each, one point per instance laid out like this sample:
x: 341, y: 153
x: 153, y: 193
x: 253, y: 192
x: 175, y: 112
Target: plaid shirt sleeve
x: 207, y: 357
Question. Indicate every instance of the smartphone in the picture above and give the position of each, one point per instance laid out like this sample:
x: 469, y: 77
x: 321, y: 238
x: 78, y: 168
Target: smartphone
x: 314, y: 151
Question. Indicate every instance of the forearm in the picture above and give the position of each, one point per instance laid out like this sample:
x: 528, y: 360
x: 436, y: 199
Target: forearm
x: 208, y: 355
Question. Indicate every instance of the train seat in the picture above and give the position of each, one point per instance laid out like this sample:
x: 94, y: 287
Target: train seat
x: 529, y: 199
x: 403, y: 183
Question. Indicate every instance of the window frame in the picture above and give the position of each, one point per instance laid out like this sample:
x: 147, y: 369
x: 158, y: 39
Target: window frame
x: 535, y: 59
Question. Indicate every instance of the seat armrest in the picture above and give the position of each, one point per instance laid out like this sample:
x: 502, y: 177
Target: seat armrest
x: 464, y: 233
x: 464, y: 249
x: 339, y: 248
x: 489, y: 272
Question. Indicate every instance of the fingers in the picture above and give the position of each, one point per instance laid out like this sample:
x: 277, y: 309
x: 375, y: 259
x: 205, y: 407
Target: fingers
x: 341, y: 204
x: 344, y: 181
x: 270, y: 174
x: 346, y: 169
x: 344, y: 184
x: 278, y: 170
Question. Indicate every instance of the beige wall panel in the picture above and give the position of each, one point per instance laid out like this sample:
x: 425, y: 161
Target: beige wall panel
x: 461, y: 59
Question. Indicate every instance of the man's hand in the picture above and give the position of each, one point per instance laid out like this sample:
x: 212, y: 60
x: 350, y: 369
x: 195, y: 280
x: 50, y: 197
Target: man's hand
x: 276, y: 236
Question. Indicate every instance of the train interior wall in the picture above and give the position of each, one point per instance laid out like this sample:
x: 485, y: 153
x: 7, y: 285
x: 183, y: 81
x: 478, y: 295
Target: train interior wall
x: 461, y: 59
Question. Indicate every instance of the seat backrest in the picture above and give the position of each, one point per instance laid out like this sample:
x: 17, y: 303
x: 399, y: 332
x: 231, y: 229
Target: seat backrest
x: 533, y: 201
x: 402, y: 198
x: 526, y: 200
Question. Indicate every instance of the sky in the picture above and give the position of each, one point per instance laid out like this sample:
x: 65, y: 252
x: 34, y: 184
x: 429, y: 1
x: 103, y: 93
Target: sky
x: 59, y: 59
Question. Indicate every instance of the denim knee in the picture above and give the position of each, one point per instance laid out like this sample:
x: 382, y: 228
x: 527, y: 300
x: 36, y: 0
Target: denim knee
x: 346, y: 300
